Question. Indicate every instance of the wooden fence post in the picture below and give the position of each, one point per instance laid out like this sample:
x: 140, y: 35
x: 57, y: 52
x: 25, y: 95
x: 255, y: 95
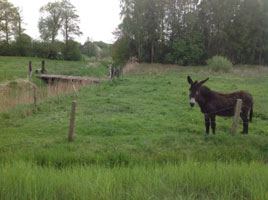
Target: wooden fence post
x: 236, y: 116
x: 30, y: 69
x: 43, y: 67
x: 111, y: 67
x: 75, y: 90
x: 72, y: 119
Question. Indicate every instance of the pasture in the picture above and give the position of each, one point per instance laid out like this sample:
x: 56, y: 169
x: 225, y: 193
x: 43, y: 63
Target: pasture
x: 137, y: 138
x: 12, y: 68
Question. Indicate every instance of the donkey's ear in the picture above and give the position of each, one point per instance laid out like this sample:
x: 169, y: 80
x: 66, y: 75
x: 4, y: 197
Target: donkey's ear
x: 190, y: 81
x: 202, y: 82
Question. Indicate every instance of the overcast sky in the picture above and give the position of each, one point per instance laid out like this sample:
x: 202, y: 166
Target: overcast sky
x: 99, y: 18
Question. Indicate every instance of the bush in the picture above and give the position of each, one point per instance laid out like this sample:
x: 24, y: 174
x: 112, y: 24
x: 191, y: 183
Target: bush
x: 121, y: 51
x: 72, y: 52
x: 219, y: 63
x: 22, y: 46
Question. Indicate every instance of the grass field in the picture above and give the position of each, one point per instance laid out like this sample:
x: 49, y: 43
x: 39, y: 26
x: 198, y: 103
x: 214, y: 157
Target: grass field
x: 12, y: 68
x: 16, y: 87
x: 137, y: 139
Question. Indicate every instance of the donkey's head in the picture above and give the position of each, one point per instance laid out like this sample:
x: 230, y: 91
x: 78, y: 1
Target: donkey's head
x: 194, y: 89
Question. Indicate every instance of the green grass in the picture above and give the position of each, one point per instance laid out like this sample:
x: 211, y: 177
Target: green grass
x: 136, y: 139
x: 188, y: 180
x: 12, y: 68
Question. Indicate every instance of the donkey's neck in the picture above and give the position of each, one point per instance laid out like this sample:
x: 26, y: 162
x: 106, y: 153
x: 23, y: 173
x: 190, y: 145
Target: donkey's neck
x: 205, y: 95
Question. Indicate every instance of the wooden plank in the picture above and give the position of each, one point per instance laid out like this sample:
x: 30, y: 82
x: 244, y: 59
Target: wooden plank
x: 69, y: 78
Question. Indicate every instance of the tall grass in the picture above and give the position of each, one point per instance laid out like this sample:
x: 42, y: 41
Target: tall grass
x: 188, y: 180
x: 18, y: 92
x: 136, y: 68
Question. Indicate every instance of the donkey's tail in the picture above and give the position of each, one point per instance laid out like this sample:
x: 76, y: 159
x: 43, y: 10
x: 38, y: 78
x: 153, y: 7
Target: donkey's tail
x: 251, y: 114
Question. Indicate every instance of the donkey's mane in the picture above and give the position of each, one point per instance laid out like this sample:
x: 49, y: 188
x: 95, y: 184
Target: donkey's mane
x: 205, y: 91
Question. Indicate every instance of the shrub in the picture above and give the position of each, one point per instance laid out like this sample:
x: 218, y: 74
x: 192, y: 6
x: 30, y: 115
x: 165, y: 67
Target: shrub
x: 219, y: 63
x: 72, y: 52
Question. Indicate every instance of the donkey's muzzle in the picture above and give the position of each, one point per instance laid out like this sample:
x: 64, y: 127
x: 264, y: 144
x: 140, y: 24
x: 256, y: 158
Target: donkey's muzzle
x: 192, y: 102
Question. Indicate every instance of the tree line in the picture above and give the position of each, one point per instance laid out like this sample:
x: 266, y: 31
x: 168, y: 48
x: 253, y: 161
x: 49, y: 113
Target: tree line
x: 189, y: 32
x: 57, y: 19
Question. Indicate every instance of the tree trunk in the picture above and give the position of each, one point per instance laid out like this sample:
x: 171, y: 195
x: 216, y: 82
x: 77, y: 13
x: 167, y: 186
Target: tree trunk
x: 66, y: 32
x: 152, y: 53
x: 140, y: 51
x: 6, y: 27
x: 20, y: 30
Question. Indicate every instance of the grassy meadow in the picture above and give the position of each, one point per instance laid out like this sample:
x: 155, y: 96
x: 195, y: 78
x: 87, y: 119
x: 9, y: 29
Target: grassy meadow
x: 12, y: 68
x: 137, y: 138
x: 16, y: 87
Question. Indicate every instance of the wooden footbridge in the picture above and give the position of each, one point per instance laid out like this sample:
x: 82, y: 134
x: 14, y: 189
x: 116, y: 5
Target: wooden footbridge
x: 51, y: 78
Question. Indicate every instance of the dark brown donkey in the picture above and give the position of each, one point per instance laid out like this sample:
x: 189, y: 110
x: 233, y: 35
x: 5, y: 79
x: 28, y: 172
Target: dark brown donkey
x: 214, y: 103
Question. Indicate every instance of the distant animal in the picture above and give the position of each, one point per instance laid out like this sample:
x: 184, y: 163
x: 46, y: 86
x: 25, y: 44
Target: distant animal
x: 114, y: 71
x: 214, y: 104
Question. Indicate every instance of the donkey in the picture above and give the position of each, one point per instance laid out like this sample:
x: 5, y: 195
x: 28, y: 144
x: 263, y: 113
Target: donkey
x: 213, y: 103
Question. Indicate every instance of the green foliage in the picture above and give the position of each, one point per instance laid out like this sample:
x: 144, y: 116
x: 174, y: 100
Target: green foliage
x: 194, y: 31
x: 188, y: 51
x: 72, y: 52
x: 89, y: 49
x: 5, y: 49
x: 55, y: 16
x: 10, y: 20
x: 23, y: 45
x: 120, y: 51
x: 219, y: 63
x: 95, y: 49
x: 169, y: 59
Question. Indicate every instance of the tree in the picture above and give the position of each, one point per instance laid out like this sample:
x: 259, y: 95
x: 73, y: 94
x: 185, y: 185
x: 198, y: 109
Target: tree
x: 18, y: 22
x: 191, y: 31
x: 59, y: 16
x: 89, y: 49
x: 188, y: 50
x: 72, y: 52
x: 7, y: 19
x: 23, y: 45
x: 70, y: 21
x: 51, y: 20
x: 120, y: 51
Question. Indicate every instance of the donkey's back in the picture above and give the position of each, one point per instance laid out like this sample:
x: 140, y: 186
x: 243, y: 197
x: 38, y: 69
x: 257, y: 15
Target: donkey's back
x: 225, y: 103
x: 232, y: 97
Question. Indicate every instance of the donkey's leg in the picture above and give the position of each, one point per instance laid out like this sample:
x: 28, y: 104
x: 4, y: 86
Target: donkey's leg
x: 213, y: 123
x: 207, y: 123
x: 244, y: 116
